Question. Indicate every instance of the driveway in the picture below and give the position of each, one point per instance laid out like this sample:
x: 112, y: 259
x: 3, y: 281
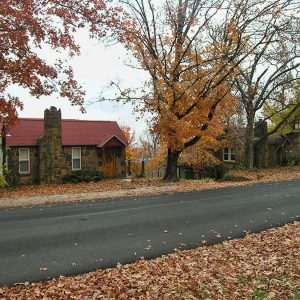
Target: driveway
x: 62, y: 239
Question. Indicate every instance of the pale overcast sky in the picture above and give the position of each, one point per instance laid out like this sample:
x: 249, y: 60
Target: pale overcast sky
x: 94, y: 69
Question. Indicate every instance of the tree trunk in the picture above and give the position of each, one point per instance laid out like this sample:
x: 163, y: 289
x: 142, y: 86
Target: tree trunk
x: 171, y: 170
x: 261, y: 149
x: 260, y: 154
x: 249, y: 143
x: 3, y: 145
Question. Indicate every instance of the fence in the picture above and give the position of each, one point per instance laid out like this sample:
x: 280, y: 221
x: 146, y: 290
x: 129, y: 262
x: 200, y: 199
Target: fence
x: 140, y: 169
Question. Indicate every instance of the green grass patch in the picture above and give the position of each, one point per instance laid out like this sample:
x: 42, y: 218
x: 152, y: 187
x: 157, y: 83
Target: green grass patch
x: 260, y: 295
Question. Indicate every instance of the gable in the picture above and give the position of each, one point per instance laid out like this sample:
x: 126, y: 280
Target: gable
x: 112, y: 141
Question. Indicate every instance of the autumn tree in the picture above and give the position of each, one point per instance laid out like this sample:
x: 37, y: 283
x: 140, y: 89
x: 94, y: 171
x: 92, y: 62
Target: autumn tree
x: 284, y: 113
x: 153, y: 151
x: 150, y: 143
x: 190, y: 49
x: 133, y: 151
x: 187, y: 86
x: 202, y: 155
x: 271, y: 66
x: 26, y: 28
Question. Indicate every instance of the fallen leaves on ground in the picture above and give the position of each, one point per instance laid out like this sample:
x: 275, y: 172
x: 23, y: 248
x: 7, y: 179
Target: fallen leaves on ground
x: 43, y: 194
x: 259, y: 266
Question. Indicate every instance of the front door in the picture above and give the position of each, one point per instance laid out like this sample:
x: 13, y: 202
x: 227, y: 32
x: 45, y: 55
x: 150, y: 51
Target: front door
x: 110, y: 162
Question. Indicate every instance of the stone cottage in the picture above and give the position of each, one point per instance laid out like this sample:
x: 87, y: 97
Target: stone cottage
x: 273, y: 150
x: 44, y: 150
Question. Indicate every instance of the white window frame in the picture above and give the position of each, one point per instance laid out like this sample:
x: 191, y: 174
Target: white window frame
x: 76, y: 169
x: 231, y: 152
x: 24, y: 172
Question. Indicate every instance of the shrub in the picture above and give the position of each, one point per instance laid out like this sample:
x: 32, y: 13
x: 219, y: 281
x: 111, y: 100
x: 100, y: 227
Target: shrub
x: 292, y: 161
x: 3, y: 182
x: 216, y: 172
x: 82, y: 176
x: 230, y: 177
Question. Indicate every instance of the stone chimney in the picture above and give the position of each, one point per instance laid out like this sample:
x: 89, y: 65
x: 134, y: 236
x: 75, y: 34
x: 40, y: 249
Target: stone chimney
x: 52, y: 161
x: 52, y: 121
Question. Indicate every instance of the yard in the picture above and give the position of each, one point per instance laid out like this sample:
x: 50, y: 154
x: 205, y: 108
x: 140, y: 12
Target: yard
x: 45, y: 194
x: 259, y: 266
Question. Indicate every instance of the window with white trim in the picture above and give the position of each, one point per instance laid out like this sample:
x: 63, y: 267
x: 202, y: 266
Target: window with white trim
x: 229, y: 154
x: 24, y: 161
x: 76, y: 158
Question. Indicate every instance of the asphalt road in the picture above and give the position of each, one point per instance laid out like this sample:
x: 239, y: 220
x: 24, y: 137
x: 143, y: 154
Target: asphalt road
x: 73, y: 238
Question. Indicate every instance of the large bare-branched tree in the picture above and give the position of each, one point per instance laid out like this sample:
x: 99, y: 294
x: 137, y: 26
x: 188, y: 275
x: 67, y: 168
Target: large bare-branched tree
x: 187, y: 90
x: 192, y: 50
x: 273, y: 62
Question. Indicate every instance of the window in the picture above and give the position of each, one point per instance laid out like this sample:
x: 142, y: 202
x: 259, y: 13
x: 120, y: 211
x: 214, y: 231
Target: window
x: 229, y: 154
x: 232, y: 150
x: 76, y: 159
x: 297, y: 125
x: 24, y: 161
x: 226, y: 154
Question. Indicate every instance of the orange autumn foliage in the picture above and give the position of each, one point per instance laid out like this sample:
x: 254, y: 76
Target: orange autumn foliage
x: 26, y: 29
x: 133, y: 152
x: 188, y: 92
x: 201, y: 154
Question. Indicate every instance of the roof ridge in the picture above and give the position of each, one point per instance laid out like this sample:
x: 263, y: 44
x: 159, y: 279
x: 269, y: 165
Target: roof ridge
x: 78, y: 120
x: 67, y: 120
x: 31, y: 119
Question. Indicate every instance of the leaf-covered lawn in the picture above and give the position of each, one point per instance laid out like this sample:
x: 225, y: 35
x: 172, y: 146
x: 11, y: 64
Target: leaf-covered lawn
x: 43, y: 194
x: 259, y: 266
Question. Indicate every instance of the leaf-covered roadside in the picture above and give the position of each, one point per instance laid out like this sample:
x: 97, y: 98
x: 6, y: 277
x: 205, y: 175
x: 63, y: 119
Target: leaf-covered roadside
x: 45, y: 194
x: 259, y: 266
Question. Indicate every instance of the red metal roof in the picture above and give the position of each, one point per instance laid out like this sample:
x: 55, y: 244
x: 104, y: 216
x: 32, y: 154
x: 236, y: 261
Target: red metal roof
x: 26, y: 132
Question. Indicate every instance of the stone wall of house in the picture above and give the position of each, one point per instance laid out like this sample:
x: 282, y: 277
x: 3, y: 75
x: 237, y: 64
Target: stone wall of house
x: 52, y: 160
x: 14, y: 176
x: 274, y: 156
x: 239, y: 155
x: 93, y: 159
x: 90, y: 158
x: 292, y: 153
